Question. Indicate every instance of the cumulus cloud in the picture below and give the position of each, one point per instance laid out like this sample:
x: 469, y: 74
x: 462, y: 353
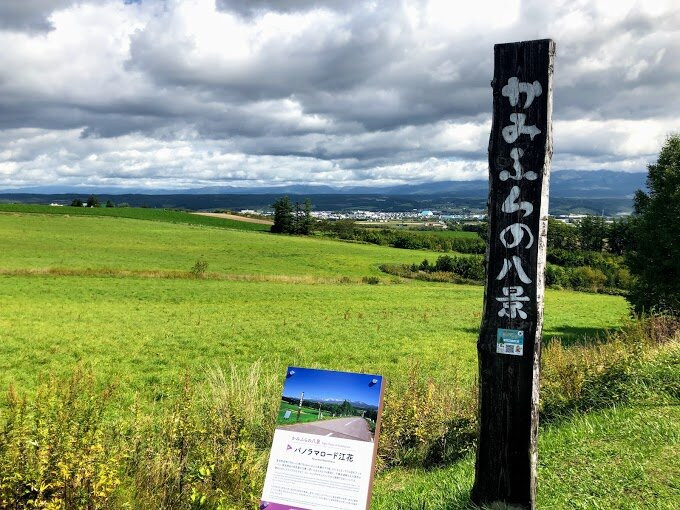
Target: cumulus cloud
x: 184, y: 93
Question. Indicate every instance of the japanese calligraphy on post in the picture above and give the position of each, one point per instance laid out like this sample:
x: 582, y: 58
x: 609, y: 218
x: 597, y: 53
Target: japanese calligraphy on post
x: 520, y: 149
x: 323, y: 452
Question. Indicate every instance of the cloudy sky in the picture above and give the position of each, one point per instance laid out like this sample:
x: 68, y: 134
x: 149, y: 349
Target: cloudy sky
x: 189, y: 93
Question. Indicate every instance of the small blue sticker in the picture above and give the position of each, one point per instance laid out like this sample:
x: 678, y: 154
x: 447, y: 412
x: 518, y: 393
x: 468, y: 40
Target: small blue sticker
x: 510, y: 341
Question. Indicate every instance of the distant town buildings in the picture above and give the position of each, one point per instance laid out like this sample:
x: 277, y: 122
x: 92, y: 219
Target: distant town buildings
x: 425, y: 217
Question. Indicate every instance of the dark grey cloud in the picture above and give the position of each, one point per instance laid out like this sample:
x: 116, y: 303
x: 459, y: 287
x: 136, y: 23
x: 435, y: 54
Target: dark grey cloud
x: 32, y: 15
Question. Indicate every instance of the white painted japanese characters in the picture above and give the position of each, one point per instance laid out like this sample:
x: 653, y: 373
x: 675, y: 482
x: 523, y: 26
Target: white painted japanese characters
x: 513, y: 299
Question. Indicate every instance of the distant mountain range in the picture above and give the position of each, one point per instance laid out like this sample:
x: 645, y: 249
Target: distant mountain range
x: 571, y: 192
x: 564, y: 183
x: 355, y: 403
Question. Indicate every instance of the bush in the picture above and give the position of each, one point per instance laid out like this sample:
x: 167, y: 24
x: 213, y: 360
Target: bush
x: 472, y: 246
x: 371, y: 280
x: 585, y: 271
x: 587, y: 278
x: 199, y: 268
x: 556, y: 276
x: 445, y: 269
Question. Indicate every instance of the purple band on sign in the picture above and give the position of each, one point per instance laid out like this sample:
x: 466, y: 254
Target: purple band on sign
x: 264, y: 505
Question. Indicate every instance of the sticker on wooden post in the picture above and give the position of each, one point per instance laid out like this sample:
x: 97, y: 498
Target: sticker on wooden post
x: 510, y: 341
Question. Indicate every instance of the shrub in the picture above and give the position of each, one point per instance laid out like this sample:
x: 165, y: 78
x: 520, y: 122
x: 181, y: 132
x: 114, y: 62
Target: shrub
x: 371, y: 280
x: 471, y: 246
x: 199, y: 268
x: 445, y: 269
x: 470, y: 268
x: 555, y: 275
x: 587, y: 278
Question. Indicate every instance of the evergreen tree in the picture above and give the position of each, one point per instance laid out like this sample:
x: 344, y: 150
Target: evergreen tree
x: 306, y: 222
x: 283, y: 216
x: 296, y: 219
x: 619, y: 236
x: 656, y: 235
x: 562, y: 235
x: 109, y: 204
x: 92, y: 201
x: 592, y: 231
x: 77, y: 202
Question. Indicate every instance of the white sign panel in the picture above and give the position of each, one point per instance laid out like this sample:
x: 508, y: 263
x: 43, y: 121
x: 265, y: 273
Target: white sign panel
x: 323, y: 453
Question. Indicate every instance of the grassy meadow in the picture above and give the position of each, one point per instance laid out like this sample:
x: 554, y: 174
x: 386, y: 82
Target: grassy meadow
x: 289, y: 300
x: 137, y: 213
x: 116, y: 293
x: 41, y: 241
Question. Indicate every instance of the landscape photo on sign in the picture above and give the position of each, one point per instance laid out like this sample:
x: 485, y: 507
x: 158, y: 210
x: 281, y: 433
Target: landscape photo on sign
x: 329, y: 403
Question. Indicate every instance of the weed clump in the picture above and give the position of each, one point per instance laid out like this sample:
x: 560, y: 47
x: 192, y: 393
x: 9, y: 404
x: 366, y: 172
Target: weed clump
x: 209, y: 450
x: 199, y: 268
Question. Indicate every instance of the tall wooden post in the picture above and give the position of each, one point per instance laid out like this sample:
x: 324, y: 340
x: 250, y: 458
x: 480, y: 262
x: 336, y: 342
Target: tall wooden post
x: 509, y: 346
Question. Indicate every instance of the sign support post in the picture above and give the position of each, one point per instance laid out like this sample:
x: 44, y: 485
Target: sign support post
x: 509, y: 346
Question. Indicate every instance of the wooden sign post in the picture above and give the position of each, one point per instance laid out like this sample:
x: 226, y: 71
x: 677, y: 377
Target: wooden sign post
x: 509, y: 346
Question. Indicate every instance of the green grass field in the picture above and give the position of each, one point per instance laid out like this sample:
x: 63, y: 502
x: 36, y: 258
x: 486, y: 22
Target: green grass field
x: 68, y: 296
x: 626, y: 458
x: 146, y: 331
x: 57, y: 241
x: 137, y: 213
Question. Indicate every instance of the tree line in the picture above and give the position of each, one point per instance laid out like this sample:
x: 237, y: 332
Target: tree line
x: 92, y: 201
x: 292, y: 218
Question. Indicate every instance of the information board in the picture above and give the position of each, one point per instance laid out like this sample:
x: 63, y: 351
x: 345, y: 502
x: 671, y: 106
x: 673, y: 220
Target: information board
x: 325, y: 442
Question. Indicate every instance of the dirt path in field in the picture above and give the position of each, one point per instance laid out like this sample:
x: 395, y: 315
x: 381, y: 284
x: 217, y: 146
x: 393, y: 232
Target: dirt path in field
x: 235, y: 217
x: 349, y: 428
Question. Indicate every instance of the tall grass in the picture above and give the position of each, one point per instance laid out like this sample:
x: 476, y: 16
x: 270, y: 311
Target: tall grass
x: 637, y: 362
x: 209, y: 450
x: 207, y: 447
x: 56, y: 451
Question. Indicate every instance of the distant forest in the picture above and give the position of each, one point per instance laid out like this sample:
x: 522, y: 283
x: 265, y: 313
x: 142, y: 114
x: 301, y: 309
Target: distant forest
x: 446, y: 203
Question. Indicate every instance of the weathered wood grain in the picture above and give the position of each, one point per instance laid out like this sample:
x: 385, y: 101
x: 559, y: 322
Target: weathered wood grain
x: 505, y: 473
